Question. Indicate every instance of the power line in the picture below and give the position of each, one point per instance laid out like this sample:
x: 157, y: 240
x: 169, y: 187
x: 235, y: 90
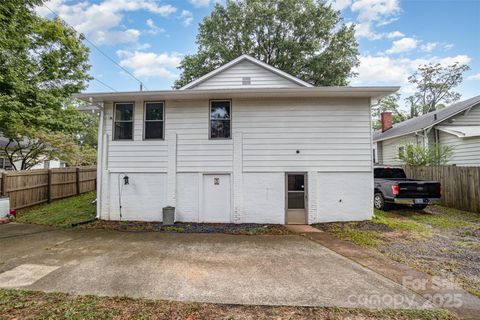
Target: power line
x: 99, y: 50
x: 106, y: 85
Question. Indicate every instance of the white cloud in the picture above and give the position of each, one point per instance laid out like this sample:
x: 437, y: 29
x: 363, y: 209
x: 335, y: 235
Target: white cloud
x: 200, y: 3
x: 474, y: 77
x: 394, y: 34
x: 150, y: 64
x: 403, y: 45
x: 101, y: 20
x: 187, y: 18
x: 115, y: 37
x: 340, y: 4
x: 384, y: 70
x: 153, y: 28
x: 370, y: 15
x: 429, y: 46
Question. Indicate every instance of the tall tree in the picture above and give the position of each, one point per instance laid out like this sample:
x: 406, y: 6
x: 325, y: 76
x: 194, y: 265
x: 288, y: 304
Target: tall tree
x: 434, y: 87
x: 42, y: 63
x: 305, y: 38
x: 390, y: 104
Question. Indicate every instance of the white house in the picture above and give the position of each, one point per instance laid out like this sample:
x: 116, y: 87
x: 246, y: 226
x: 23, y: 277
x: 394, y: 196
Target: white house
x: 6, y: 164
x: 246, y: 143
x: 457, y: 125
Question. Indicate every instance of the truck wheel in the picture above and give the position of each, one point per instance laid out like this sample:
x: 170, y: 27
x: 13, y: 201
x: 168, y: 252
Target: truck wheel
x: 379, y: 202
x: 419, y: 206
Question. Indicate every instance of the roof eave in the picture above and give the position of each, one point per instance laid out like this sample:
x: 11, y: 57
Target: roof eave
x: 303, y: 92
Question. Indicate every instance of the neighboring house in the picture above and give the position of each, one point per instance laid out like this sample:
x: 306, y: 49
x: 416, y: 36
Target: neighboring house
x: 246, y: 143
x: 457, y: 125
x: 6, y: 165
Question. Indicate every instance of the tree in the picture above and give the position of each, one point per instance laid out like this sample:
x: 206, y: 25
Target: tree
x: 305, y: 38
x: 434, y: 84
x: 42, y: 63
x: 390, y: 104
x: 418, y: 155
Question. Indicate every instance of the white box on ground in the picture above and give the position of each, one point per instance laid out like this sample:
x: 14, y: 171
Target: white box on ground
x: 4, y: 206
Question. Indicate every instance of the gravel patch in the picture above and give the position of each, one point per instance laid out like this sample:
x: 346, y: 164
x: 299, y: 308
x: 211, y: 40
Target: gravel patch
x: 451, y: 253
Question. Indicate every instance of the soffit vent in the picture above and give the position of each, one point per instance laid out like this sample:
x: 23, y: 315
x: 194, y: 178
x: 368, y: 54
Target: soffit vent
x: 246, y: 81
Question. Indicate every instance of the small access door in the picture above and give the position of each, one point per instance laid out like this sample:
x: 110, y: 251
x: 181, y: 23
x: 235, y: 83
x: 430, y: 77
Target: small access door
x: 216, y: 198
x: 296, y: 198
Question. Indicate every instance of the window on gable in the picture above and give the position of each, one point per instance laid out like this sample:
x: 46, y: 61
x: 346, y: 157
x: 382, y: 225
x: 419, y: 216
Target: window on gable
x: 154, y: 120
x: 401, y: 153
x: 123, y: 118
x: 220, y: 120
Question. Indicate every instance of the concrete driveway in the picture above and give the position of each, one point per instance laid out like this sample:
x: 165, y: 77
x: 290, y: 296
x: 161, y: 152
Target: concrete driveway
x: 232, y: 269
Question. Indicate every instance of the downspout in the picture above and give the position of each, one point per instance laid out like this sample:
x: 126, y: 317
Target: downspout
x: 100, y: 152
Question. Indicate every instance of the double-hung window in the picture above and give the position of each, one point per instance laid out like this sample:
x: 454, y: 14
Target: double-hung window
x: 220, y: 119
x: 123, y: 118
x: 154, y: 121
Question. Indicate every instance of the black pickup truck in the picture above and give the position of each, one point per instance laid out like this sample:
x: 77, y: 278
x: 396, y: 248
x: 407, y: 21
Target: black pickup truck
x: 393, y: 187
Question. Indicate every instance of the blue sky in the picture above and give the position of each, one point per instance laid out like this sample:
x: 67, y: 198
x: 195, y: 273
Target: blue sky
x: 150, y: 37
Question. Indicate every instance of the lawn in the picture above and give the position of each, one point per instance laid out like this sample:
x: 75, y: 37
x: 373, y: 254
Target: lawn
x: 21, y: 304
x: 438, y: 240
x: 61, y: 213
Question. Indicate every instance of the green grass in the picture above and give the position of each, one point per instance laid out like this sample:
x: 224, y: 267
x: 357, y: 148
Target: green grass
x: 20, y: 304
x: 60, y: 213
x: 445, y: 218
x: 401, y: 223
x: 359, y: 237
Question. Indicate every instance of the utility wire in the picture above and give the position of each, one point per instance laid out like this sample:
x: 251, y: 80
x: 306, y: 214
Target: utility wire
x: 106, y: 85
x: 142, y: 86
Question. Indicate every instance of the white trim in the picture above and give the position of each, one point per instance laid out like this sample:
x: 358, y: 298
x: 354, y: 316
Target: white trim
x: 100, y: 162
x: 461, y: 131
x: 243, y: 93
x: 244, y: 57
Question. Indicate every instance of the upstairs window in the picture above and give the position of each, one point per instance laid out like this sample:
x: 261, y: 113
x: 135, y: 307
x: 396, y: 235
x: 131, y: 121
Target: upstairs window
x: 154, y: 121
x: 123, y: 118
x: 220, y: 119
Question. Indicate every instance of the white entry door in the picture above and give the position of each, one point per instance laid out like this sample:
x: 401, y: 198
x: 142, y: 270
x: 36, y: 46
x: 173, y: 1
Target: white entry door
x: 216, y: 198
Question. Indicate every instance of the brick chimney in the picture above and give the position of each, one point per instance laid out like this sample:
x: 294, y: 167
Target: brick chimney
x: 386, y: 119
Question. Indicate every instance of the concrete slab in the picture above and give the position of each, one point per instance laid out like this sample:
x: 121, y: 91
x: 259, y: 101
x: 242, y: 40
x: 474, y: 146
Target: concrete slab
x: 302, y: 228
x: 24, y: 275
x: 217, y: 268
x: 440, y: 291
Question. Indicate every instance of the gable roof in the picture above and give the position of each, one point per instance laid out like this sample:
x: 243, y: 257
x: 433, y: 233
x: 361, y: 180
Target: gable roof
x: 427, y: 120
x: 248, y: 58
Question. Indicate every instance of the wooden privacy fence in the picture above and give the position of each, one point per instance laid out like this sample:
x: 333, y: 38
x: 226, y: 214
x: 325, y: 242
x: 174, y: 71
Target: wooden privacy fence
x: 461, y: 185
x: 28, y: 188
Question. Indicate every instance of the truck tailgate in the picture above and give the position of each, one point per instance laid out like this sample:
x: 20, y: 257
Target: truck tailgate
x: 419, y: 189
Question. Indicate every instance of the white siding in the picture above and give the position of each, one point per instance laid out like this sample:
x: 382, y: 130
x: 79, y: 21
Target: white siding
x: 195, y: 151
x: 466, y: 151
x: 136, y: 155
x: 390, y: 148
x: 330, y: 135
x: 344, y: 196
x: 232, y: 78
x: 142, y: 199
x: 471, y: 118
x: 265, y: 198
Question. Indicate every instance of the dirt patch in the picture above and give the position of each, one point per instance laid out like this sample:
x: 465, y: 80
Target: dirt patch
x: 227, y: 228
x: 19, y: 304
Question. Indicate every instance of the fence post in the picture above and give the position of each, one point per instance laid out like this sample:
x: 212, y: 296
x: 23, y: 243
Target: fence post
x: 3, y: 184
x: 77, y: 179
x: 49, y: 186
